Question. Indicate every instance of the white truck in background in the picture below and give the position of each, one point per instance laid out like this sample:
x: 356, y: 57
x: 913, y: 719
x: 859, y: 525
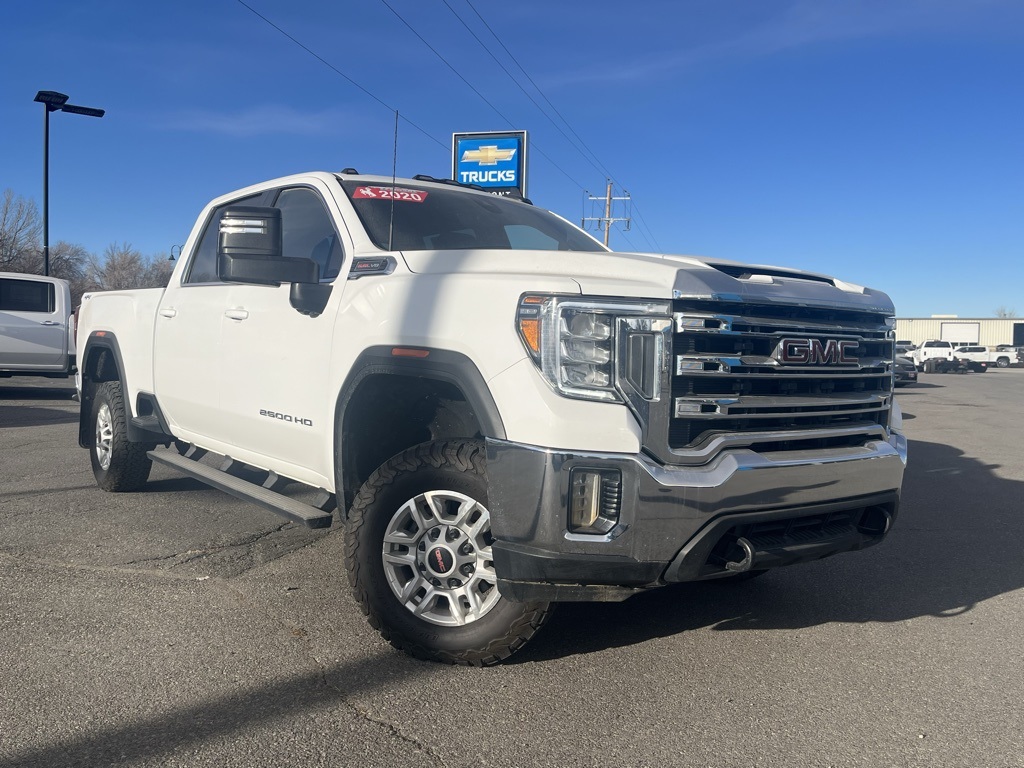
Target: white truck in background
x: 499, y: 412
x: 37, y: 333
x: 932, y: 349
x: 979, y: 354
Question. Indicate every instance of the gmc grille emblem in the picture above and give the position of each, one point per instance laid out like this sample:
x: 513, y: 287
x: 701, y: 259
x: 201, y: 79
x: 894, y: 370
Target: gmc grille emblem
x: 816, y: 352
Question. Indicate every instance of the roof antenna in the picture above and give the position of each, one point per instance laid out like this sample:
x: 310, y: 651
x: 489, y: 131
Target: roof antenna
x: 394, y: 173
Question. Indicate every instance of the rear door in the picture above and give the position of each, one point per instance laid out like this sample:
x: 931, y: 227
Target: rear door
x: 33, y: 325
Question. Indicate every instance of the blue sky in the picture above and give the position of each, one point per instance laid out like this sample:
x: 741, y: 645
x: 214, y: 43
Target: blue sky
x: 878, y: 140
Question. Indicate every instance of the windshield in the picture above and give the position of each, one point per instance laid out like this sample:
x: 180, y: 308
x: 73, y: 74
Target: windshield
x: 429, y: 218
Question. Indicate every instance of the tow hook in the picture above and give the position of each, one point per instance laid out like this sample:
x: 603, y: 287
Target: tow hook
x: 875, y: 522
x: 739, y: 566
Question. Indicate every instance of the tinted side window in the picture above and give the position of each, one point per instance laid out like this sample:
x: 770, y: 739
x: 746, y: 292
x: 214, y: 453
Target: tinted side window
x: 203, y: 268
x: 27, y: 296
x: 308, y: 232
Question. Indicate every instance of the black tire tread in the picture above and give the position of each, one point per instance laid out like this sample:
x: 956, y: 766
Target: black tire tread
x: 129, y: 464
x: 467, y: 456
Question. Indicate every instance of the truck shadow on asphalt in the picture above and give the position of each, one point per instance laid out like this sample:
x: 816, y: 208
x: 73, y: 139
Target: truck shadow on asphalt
x: 955, y: 544
x: 32, y: 416
x: 37, y: 415
x: 189, y: 727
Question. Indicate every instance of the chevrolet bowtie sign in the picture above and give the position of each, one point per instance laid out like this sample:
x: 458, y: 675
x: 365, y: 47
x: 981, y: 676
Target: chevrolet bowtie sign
x: 494, y: 161
x: 488, y: 154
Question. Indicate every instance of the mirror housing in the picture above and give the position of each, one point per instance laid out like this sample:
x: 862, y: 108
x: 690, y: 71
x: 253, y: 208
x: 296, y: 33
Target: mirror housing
x: 249, y: 249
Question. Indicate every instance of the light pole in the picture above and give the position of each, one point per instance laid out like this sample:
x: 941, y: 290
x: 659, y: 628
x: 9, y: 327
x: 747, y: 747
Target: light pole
x: 54, y: 102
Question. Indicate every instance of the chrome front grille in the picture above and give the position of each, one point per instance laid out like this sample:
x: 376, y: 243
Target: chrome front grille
x: 778, y: 374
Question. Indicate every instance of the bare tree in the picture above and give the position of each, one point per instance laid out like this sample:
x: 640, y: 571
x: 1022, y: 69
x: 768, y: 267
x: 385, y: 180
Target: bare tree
x: 123, y: 267
x: 70, y: 261
x: 19, y: 233
x: 159, y: 271
x: 1005, y: 313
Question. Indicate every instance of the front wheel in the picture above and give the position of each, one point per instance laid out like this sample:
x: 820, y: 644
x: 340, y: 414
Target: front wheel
x: 418, y: 555
x: 117, y: 463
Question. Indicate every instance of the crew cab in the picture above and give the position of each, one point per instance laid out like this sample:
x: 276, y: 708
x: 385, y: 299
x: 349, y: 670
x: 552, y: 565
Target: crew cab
x: 499, y: 413
x: 979, y: 354
x: 37, y: 335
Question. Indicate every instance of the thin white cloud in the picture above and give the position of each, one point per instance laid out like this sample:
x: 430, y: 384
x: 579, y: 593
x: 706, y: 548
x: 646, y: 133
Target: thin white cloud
x: 801, y: 23
x: 260, y: 120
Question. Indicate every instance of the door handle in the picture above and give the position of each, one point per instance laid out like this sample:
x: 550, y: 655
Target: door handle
x: 168, y: 311
x: 49, y: 322
x: 236, y: 314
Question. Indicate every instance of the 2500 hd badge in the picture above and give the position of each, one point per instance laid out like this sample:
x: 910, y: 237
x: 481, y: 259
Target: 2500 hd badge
x: 286, y: 417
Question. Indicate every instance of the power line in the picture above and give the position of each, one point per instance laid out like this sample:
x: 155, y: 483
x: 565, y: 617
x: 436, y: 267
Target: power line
x: 504, y: 47
x: 458, y: 74
x: 643, y: 221
x: 443, y: 145
x: 526, y: 93
x: 600, y: 166
x: 337, y: 71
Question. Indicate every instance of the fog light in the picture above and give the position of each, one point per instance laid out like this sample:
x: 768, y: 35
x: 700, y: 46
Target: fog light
x: 594, y: 500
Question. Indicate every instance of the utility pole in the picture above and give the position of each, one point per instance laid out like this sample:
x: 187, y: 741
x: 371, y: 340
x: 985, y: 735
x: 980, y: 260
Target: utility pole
x: 605, y: 222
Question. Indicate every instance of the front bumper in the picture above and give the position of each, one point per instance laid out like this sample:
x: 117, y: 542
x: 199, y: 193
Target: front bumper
x: 683, y: 523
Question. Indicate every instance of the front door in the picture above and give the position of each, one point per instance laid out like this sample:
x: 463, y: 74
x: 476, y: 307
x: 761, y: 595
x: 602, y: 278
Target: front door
x: 188, y: 342
x: 276, y: 361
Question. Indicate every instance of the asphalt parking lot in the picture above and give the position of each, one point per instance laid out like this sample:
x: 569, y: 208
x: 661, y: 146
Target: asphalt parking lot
x: 180, y: 627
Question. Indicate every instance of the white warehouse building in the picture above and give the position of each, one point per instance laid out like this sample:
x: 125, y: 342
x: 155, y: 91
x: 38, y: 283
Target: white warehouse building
x: 988, y: 332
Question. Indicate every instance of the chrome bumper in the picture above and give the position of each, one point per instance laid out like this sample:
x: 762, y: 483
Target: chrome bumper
x: 671, y: 518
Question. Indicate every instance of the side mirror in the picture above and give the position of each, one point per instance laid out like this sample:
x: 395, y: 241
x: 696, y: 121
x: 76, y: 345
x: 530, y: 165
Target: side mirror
x: 249, y: 250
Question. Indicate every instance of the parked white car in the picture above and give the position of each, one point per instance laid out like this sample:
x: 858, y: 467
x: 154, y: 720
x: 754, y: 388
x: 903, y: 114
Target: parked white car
x: 36, y: 326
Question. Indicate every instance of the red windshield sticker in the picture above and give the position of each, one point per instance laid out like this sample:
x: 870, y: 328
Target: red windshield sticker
x: 390, y: 193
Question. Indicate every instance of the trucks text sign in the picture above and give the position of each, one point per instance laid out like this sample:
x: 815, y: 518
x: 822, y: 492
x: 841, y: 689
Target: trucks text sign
x: 495, y: 161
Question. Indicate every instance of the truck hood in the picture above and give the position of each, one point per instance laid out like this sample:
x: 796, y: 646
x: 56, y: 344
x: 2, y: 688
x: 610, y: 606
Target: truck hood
x: 658, y: 276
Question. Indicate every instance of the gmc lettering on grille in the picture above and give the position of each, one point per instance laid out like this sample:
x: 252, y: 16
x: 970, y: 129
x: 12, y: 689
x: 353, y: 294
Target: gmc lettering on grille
x: 816, y: 352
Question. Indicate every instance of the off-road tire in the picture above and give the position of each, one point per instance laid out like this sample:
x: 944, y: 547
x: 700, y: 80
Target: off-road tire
x: 118, y: 464
x: 456, y: 468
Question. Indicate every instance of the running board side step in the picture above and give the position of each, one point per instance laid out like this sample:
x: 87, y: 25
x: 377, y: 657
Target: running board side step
x: 294, y: 510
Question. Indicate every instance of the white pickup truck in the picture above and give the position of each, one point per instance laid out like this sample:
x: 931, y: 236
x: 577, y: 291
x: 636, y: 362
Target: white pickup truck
x: 979, y: 354
x: 500, y: 413
x: 932, y: 349
x: 37, y: 335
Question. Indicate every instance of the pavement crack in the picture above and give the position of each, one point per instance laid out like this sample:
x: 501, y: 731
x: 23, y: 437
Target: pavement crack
x: 191, y: 555
x: 120, y: 569
x: 395, y: 731
x: 296, y: 632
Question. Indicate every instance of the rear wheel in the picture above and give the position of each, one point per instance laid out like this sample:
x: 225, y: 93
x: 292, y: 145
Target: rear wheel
x: 418, y: 555
x: 1003, y: 362
x: 117, y: 463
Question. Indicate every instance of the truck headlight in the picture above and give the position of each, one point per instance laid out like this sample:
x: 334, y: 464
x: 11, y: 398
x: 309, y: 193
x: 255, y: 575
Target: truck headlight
x: 580, y: 345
